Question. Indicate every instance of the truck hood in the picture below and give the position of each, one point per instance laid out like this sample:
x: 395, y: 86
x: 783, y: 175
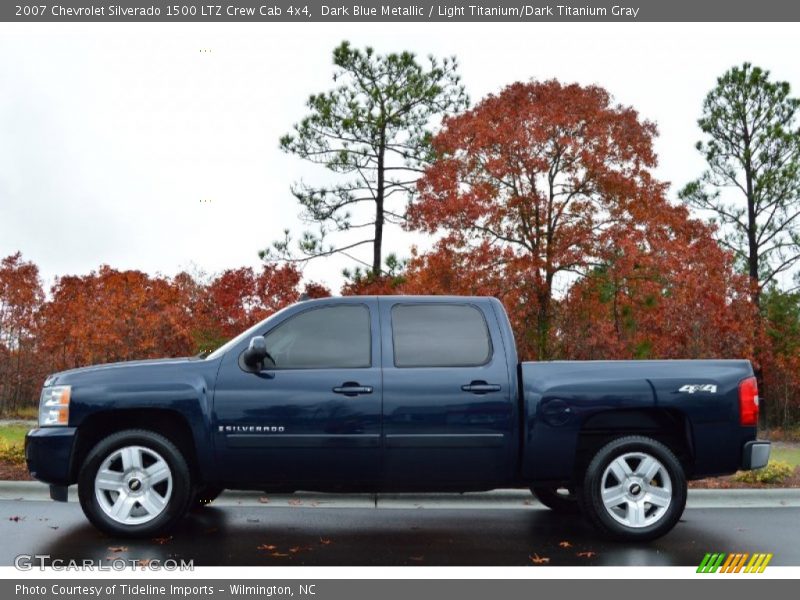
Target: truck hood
x: 75, y: 375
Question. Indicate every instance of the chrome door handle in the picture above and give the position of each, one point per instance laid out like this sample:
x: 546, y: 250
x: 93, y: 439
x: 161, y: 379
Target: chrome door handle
x: 351, y: 388
x: 480, y: 387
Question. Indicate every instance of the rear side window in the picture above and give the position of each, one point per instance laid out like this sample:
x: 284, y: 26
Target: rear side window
x: 332, y: 337
x: 439, y: 335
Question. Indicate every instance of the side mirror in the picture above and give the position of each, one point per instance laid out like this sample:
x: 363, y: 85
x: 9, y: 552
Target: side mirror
x: 256, y: 352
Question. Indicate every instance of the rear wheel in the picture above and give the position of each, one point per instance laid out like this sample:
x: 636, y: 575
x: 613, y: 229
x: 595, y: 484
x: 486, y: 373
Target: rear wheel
x: 634, y: 489
x: 562, y: 500
x: 134, y: 483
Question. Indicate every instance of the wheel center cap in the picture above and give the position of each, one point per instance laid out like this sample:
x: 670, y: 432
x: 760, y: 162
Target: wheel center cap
x: 135, y: 485
x: 635, y: 489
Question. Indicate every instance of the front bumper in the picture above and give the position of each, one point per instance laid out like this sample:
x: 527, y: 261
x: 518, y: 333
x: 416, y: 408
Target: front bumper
x: 48, y: 453
x: 755, y: 455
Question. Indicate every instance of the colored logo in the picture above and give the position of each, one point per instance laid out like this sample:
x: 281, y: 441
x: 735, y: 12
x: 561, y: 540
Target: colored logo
x: 734, y: 563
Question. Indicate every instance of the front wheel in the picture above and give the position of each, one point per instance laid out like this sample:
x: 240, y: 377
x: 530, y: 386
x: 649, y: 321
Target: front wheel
x: 134, y: 483
x: 634, y: 489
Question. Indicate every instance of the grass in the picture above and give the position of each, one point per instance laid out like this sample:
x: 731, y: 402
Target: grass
x: 787, y: 455
x: 12, y: 444
x: 13, y: 434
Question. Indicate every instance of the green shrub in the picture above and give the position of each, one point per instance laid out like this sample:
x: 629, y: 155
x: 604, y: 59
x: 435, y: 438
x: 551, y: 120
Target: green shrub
x: 777, y: 471
x: 12, y: 453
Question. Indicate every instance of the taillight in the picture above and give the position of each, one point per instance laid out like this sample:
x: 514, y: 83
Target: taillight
x: 748, y: 402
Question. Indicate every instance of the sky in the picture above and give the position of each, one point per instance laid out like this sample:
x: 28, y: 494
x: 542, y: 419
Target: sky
x: 155, y: 146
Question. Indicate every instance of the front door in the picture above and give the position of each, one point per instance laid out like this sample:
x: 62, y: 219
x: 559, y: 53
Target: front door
x: 313, y: 417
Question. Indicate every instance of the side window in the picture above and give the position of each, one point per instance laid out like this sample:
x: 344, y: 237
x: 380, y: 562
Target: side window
x: 439, y: 335
x: 332, y: 337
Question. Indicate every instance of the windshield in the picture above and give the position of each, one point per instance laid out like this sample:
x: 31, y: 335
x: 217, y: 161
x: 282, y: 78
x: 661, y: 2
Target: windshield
x: 242, y: 336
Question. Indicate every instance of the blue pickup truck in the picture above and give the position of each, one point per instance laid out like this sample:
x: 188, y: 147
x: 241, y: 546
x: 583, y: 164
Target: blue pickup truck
x: 400, y: 394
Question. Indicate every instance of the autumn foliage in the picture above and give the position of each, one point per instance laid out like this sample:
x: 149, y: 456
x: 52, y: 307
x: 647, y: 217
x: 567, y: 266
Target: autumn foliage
x: 537, y: 178
x: 20, y: 297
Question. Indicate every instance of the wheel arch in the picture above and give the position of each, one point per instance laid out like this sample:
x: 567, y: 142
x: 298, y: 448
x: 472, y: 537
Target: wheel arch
x: 668, y: 426
x: 167, y: 422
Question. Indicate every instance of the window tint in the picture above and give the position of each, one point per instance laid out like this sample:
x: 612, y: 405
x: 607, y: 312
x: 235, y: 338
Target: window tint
x: 334, y: 337
x: 439, y: 335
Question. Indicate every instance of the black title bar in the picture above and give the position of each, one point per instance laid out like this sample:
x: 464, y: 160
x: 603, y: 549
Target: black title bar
x: 400, y: 10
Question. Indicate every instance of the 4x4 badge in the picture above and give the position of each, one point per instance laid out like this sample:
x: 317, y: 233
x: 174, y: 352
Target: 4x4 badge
x: 691, y: 388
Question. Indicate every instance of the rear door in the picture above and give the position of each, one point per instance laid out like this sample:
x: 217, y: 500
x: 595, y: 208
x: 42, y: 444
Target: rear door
x: 447, y: 399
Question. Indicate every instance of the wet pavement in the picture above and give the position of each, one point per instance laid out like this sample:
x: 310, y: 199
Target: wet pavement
x: 303, y: 532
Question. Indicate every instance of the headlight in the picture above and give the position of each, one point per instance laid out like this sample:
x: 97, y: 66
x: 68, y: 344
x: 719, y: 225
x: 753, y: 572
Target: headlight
x: 54, y: 406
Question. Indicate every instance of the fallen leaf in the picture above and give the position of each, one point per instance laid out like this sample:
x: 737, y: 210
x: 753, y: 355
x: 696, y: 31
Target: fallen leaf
x: 416, y: 558
x: 264, y: 500
x: 268, y: 547
x: 118, y: 548
x: 565, y: 544
x: 295, y: 502
x: 295, y: 549
x: 324, y: 541
x: 539, y: 560
x: 279, y: 554
x: 162, y: 540
x: 587, y: 554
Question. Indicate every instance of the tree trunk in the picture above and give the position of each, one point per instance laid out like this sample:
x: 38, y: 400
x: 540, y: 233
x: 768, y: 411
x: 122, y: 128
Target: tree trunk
x: 377, y: 258
x: 543, y: 326
x: 755, y: 288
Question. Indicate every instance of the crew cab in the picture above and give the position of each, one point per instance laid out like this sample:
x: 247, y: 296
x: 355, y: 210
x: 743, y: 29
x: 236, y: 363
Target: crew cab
x: 393, y: 394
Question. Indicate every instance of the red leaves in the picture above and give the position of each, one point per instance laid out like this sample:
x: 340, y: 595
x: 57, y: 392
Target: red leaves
x: 666, y: 291
x: 529, y: 180
x: 110, y: 315
x: 539, y: 560
x: 20, y: 297
x: 163, y: 540
x: 267, y: 547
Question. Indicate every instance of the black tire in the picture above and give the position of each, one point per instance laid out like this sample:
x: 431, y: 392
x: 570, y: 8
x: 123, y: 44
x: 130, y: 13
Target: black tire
x: 152, y: 444
x: 672, y: 492
x: 558, y: 499
x: 205, y: 495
